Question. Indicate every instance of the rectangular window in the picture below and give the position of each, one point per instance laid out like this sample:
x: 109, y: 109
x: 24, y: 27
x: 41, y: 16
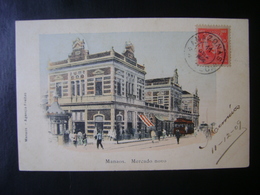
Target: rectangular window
x: 59, y: 89
x: 127, y: 88
x: 98, y: 86
x: 73, y: 116
x: 118, y: 88
x: 78, y: 88
x: 72, y: 88
x: 160, y: 101
x: 82, y: 87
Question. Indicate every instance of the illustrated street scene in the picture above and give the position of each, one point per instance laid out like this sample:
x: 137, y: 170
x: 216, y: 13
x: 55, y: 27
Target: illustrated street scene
x: 106, y: 96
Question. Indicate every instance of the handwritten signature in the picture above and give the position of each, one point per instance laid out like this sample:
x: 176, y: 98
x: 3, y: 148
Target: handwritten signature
x: 225, y: 120
x: 228, y: 135
x: 209, y: 132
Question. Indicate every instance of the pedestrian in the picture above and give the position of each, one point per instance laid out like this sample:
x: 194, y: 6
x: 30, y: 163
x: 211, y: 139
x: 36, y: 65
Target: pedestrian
x: 153, y: 135
x: 99, y: 140
x: 74, y: 138
x: 159, y: 134
x: 178, y: 135
x: 195, y: 132
x: 79, y: 139
x: 139, y: 135
x: 186, y: 129
x: 164, y: 133
x: 66, y: 137
x: 85, y: 141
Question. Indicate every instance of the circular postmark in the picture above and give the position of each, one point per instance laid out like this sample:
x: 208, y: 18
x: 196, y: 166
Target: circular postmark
x: 205, y: 52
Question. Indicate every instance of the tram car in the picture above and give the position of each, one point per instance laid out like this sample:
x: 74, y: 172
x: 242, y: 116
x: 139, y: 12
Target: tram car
x: 185, y: 126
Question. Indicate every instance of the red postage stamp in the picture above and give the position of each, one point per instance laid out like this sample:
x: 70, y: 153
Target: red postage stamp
x: 213, y: 45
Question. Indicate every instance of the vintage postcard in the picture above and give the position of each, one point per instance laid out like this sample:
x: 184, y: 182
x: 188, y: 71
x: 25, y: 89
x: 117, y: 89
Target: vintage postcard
x: 132, y: 94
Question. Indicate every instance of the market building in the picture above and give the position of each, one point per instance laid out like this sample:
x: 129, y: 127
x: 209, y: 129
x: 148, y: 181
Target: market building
x: 107, y: 91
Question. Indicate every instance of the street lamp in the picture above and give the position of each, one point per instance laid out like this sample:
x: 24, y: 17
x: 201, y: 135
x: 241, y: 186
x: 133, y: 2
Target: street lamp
x: 118, y: 127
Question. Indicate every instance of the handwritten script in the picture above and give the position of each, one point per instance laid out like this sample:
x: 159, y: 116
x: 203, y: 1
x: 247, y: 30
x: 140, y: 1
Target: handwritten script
x: 225, y: 120
x: 228, y: 135
x: 208, y: 132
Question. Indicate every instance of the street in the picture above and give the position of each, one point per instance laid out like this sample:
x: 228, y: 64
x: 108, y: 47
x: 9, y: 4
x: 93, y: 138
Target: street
x: 139, y: 145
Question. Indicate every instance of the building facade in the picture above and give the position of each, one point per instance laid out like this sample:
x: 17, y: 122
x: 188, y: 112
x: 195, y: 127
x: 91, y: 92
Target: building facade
x: 190, y: 104
x: 106, y: 90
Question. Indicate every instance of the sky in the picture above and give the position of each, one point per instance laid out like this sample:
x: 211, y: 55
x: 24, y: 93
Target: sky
x: 160, y: 52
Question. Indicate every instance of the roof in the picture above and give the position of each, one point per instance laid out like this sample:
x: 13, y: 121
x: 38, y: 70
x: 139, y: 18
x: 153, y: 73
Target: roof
x: 158, y: 81
x: 55, y: 109
x: 162, y: 118
x: 183, y: 120
x: 185, y: 92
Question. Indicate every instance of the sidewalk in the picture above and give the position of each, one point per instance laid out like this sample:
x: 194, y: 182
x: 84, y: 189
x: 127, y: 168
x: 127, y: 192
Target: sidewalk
x: 107, y: 141
x: 92, y: 141
x: 125, y: 141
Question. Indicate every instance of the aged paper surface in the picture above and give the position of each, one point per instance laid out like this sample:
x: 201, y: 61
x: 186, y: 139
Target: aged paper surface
x: 164, y: 94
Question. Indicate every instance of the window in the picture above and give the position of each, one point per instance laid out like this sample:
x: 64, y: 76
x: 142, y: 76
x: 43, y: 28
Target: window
x: 78, y: 116
x: 118, y: 88
x: 78, y: 88
x: 72, y: 88
x: 82, y: 87
x: 160, y: 101
x: 140, y: 94
x: 58, y: 89
x: 127, y: 88
x: 119, y: 117
x: 98, y: 86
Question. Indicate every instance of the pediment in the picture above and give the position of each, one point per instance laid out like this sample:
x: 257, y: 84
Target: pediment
x: 98, y: 72
x: 58, y: 77
x: 119, y: 72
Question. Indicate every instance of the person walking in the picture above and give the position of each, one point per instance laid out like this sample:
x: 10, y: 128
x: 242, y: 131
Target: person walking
x: 85, y: 141
x: 99, y: 140
x: 178, y: 135
x: 159, y: 135
x: 139, y: 135
x: 153, y: 135
x: 79, y: 138
x: 66, y: 137
x: 164, y: 133
x: 74, y: 138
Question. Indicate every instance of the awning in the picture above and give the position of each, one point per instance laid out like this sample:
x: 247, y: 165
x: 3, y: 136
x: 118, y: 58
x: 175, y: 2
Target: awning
x: 146, y: 121
x: 162, y: 118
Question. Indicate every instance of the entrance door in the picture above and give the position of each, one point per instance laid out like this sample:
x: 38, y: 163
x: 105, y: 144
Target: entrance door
x: 79, y: 127
x: 99, y: 123
x: 99, y: 126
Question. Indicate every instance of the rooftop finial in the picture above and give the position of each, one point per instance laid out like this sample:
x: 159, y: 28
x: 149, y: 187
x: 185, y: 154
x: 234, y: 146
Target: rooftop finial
x: 78, y: 44
x: 175, y: 76
x: 129, y: 46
